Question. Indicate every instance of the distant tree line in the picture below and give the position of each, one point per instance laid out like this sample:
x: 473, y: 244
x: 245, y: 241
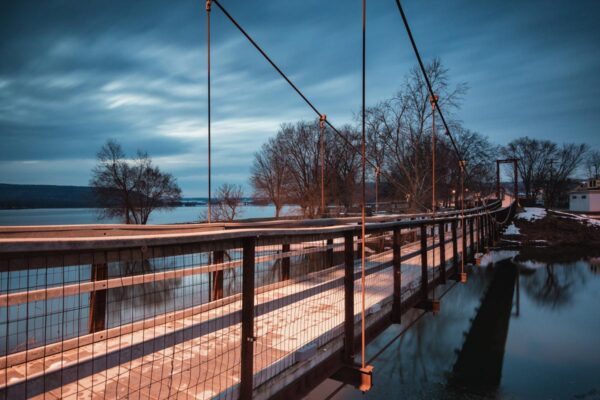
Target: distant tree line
x: 286, y: 170
x: 546, y: 169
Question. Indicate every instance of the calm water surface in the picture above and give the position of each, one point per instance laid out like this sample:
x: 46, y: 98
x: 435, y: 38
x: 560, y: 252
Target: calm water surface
x: 535, y: 336
x: 68, y: 216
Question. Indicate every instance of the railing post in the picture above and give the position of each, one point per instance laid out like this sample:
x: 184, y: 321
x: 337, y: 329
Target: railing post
x: 248, y: 339
x: 285, y: 262
x: 464, y: 238
x: 442, y: 234
x: 349, y: 297
x: 217, y: 290
x: 479, y: 234
x: 424, y: 277
x: 97, y: 319
x: 454, y: 246
x: 490, y: 231
x: 329, y: 260
x: 396, y: 263
x: 472, y: 247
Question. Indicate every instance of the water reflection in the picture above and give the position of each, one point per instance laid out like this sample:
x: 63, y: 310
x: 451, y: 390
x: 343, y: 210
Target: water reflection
x: 519, y: 329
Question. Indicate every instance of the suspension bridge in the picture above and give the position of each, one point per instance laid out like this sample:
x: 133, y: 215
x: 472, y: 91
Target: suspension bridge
x: 240, y: 310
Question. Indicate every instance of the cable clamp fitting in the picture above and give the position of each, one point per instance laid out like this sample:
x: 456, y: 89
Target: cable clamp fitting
x: 433, y: 100
x: 322, y: 119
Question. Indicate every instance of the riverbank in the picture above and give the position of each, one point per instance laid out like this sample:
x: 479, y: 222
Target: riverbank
x: 563, y: 236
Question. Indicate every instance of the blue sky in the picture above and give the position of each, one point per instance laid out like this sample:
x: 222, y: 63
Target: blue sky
x: 75, y: 73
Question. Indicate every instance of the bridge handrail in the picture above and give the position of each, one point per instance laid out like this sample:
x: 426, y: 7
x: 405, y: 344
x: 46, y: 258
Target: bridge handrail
x: 62, y: 244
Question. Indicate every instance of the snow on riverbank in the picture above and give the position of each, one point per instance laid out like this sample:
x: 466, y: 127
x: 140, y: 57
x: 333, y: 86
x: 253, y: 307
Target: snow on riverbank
x: 532, y: 213
x: 512, y: 230
x: 583, y: 218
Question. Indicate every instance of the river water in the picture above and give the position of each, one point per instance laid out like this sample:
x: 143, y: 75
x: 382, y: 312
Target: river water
x: 68, y: 216
x: 517, y: 330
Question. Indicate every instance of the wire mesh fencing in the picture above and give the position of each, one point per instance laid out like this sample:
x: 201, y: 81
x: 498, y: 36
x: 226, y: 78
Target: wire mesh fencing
x: 212, y: 317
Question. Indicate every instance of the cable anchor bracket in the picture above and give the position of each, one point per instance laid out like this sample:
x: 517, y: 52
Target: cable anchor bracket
x: 322, y: 119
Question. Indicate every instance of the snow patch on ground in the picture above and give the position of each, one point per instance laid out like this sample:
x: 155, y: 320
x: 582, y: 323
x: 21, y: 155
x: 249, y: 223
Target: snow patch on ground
x: 496, y: 256
x: 512, y: 230
x: 533, y: 264
x: 583, y: 218
x: 532, y: 213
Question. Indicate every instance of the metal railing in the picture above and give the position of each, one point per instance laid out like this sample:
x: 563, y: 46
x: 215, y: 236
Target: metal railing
x: 215, y: 314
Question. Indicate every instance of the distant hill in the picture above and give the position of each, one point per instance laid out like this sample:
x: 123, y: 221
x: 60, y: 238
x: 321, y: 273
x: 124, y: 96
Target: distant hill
x: 45, y: 196
x: 55, y: 196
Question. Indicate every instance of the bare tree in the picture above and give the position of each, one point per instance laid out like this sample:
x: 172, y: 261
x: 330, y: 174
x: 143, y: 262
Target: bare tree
x: 544, y: 167
x: 534, y: 162
x: 565, y: 162
x: 592, y: 164
x: 269, y: 175
x: 131, y: 189
x: 300, y: 144
x: 343, y: 166
x: 229, y: 201
x: 406, y: 122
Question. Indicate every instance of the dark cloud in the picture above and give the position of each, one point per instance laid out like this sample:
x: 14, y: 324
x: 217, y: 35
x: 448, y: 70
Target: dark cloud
x: 73, y: 74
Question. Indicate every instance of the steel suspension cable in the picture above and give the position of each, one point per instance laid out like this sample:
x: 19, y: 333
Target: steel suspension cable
x: 461, y: 160
x: 425, y: 76
x: 287, y: 79
x: 363, y: 153
x: 208, y: 212
x: 346, y: 141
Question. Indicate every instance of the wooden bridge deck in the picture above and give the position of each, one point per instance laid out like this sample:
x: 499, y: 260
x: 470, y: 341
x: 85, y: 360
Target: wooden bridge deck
x: 197, y: 355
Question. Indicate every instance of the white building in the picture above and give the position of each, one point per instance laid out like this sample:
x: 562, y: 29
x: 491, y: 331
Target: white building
x: 586, y: 198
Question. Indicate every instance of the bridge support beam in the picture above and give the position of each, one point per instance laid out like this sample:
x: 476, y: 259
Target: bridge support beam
x: 424, y: 279
x: 464, y: 239
x: 454, y: 246
x: 348, y: 298
x: 248, y: 339
x: 97, y: 319
x: 490, y: 231
x: 396, y: 265
x: 426, y: 303
x: 285, y: 263
x: 480, y: 234
x: 217, y: 276
x: 442, y: 234
x: 472, y: 245
x: 329, y: 259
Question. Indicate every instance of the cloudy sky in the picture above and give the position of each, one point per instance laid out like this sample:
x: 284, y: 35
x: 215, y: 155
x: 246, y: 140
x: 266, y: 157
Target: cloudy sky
x: 75, y: 73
